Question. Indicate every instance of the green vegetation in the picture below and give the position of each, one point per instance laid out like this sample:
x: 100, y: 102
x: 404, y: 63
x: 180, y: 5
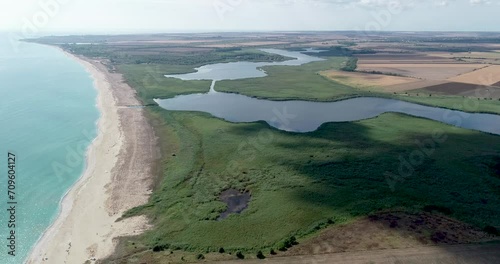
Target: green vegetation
x: 337, y: 51
x: 350, y: 65
x: 157, y: 54
x: 301, y: 182
x: 150, y: 82
x: 347, y: 43
x: 382, y: 73
x: 293, y: 82
x: 473, y: 105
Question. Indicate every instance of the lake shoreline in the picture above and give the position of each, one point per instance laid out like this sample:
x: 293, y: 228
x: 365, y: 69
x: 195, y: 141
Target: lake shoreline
x: 308, y: 116
x: 118, y: 162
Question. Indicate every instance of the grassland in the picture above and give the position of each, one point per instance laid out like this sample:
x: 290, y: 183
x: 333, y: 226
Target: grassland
x: 190, y: 57
x: 466, y: 104
x: 294, y: 82
x: 150, y: 82
x: 301, y: 183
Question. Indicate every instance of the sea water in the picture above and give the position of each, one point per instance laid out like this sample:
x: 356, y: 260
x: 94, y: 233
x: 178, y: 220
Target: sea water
x: 48, y: 118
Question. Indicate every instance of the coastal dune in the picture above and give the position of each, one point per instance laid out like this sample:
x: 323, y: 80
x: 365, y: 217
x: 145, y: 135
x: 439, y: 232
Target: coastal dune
x: 118, y: 177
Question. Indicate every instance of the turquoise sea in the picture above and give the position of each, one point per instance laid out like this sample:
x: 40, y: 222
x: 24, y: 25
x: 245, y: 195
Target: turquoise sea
x: 48, y: 119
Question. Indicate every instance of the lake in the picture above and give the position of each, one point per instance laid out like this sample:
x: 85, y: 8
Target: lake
x: 243, y: 69
x: 304, y: 116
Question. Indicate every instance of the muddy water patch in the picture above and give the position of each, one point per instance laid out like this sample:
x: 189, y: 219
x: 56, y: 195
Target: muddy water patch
x: 235, y: 200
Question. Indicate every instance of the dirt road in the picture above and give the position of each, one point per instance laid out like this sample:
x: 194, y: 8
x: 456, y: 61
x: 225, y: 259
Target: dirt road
x: 476, y: 254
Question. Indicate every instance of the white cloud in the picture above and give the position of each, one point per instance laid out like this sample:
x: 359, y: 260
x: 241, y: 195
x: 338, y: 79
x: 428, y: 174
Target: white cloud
x: 480, y: 2
x: 442, y: 3
x: 200, y: 15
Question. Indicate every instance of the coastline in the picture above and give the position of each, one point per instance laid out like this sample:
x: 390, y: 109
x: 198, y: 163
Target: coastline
x: 117, y: 177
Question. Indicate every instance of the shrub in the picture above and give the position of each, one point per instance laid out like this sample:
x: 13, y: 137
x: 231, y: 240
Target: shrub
x: 283, y: 246
x: 159, y: 248
x: 260, y: 255
x: 350, y: 65
x: 287, y: 243
x: 492, y: 230
x: 221, y: 250
x: 240, y: 255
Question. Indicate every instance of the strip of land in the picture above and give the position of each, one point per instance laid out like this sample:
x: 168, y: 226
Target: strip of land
x: 420, y: 255
x: 117, y: 178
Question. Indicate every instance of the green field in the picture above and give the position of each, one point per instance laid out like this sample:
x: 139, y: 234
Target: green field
x: 294, y: 82
x: 472, y: 105
x: 150, y: 82
x: 301, y: 182
x: 159, y: 54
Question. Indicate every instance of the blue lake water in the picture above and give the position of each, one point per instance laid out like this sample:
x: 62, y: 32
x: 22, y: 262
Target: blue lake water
x: 244, y: 69
x: 48, y: 119
x: 304, y: 116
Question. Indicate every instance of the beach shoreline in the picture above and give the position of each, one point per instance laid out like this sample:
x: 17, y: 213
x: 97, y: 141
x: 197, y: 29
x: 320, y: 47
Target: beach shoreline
x: 117, y: 177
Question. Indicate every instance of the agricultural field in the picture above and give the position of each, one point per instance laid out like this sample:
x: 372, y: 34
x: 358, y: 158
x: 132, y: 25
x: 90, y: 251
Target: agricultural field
x: 492, y: 57
x: 463, y: 89
x: 367, y: 81
x: 426, y: 71
x: 486, y: 76
x: 413, y: 86
x: 435, y: 73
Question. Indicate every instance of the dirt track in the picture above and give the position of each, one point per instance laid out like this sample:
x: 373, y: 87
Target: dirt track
x: 476, y: 254
x: 133, y: 175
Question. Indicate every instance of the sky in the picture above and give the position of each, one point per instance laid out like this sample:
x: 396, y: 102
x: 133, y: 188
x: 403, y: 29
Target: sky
x: 33, y: 17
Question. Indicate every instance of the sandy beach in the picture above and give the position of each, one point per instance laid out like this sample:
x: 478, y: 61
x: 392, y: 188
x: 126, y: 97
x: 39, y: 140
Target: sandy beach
x: 117, y: 177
